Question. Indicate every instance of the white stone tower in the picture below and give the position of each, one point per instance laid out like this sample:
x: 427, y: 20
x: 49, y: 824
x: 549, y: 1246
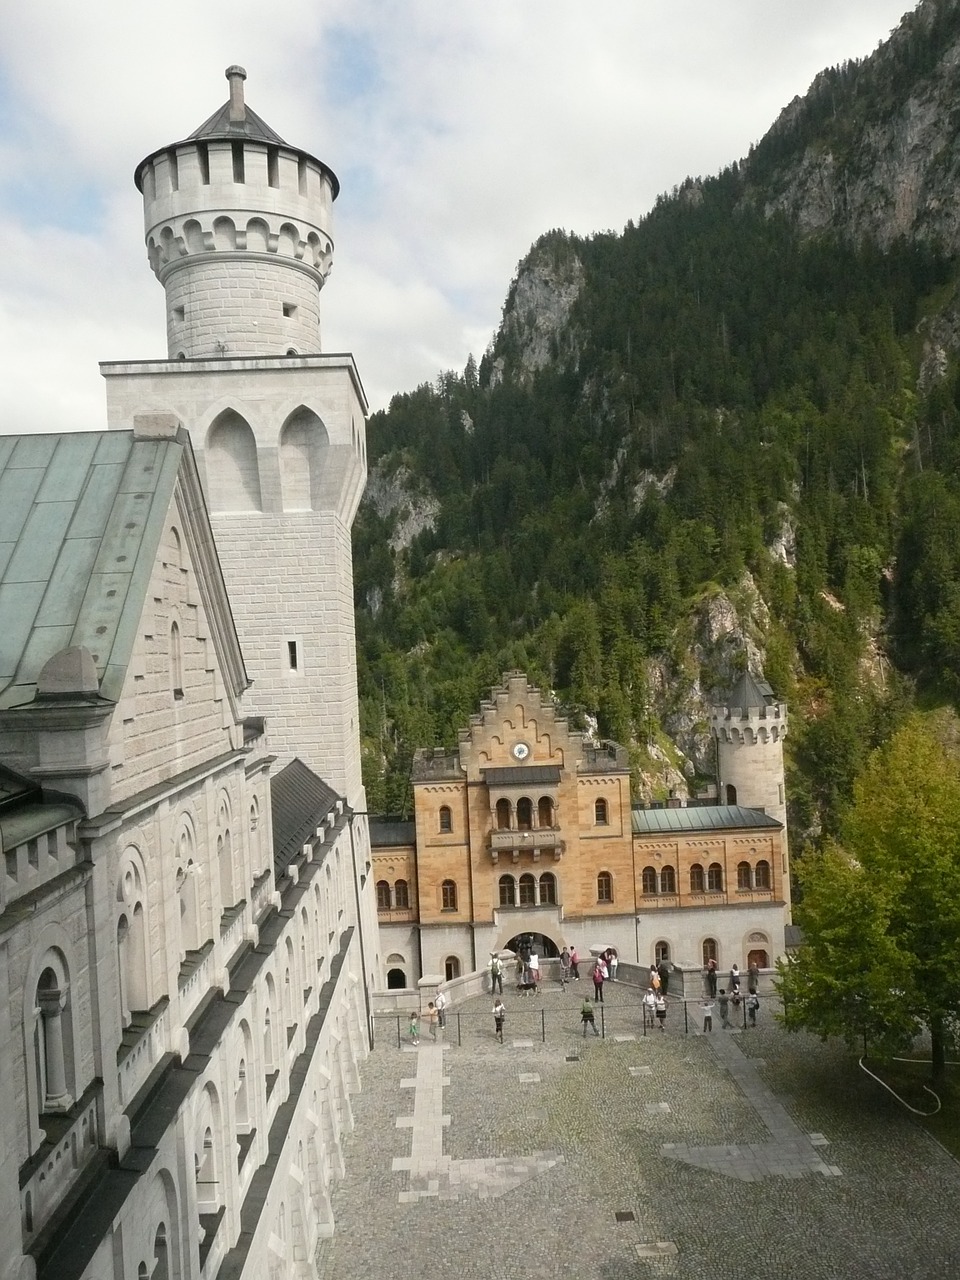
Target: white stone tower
x: 749, y: 731
x: 238, y: 233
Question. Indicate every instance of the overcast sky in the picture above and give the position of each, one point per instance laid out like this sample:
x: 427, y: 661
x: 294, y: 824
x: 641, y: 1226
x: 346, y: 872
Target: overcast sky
x: 460, y: 131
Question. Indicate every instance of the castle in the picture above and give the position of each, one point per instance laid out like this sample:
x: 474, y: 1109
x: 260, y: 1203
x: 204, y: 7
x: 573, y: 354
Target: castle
x: 188, y: 935
x: 528, y: 829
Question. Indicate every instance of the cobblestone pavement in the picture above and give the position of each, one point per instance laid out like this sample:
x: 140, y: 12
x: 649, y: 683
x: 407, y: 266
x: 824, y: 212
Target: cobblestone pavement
x: 742, y: 1155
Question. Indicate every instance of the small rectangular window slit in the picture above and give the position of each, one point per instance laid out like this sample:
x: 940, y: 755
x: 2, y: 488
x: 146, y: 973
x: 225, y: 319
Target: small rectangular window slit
x: 289, y: 310
x: 293, y: 657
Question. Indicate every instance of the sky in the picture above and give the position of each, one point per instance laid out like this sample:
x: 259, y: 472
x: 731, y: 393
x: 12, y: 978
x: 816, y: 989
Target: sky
x: 460, y: 130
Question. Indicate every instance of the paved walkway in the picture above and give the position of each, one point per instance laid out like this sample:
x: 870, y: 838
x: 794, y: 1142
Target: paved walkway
x: 731, y: 1156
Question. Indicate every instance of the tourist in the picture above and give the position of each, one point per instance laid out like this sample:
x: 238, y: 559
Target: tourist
x: 564, y: 968
x: 753, y: 1007
x: 414, y: 1027
x: 654, y: 978
x: 712, y: 978
x: 574, y: 965
x: 706, y: 1010
x: 649, y: 1007
x: 724, y: 1005
x: 663, y: 972
x: 613, y: 961
x: 753, y: 977
x: 735, y: 979
x: 587, y: 1018
x: 736, y: 1001
x: 441, y: 1005
x: 533, y: 964
x: 432, y: 1019
x: 599, y: 975
x: 499, y: 1018
x: 661, y: 1011
x: 496, y: 972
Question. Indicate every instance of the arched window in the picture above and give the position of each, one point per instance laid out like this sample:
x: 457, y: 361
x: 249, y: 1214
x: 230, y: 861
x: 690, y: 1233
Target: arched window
x: 545, y: 812
x: 524, y: 813
x: 383, y: 895
x: 508, y: 891
x: 668, y: 880
x: 696, y: 878
x: 648, y: 880
x: 451, y: 968
x: 600, y: 813
x: 53, y: 1040
x: 448, y: 895
x: 446, y: 818
x: 528, y: 890
x: 762, y: 875
x: 176, y: 662
x: 503, y: 815
x: 731, y: 794
x: 710, y: 951
x: 715, y: 878
x: 604, y: 887
x: 401, y: 894
x: 396, y: 979
x: 661, y: 952
x: 743, y: 875
x: 548, y: 888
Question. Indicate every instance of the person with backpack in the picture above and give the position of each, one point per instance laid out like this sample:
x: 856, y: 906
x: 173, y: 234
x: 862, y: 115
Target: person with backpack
x: 587, y: 1017
x: 753, y: 1007
x: 496, y: 973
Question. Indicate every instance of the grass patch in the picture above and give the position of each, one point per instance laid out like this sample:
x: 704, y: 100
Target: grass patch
x: 907, y: 1078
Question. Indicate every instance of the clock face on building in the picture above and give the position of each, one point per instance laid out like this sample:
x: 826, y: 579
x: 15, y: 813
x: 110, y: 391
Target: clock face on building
x: 520, y: 751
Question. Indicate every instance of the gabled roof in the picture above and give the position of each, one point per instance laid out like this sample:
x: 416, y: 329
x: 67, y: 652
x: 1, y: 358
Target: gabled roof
x: 300, y: 802
x: 82, y: 515
x: 706, y: 817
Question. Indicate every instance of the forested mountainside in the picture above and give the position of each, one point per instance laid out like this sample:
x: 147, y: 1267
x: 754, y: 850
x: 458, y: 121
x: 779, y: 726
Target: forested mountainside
x: 728, y: 434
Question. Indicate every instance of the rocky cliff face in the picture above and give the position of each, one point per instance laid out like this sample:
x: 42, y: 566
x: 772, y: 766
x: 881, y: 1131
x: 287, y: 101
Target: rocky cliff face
x: 865, y: 159
x: 534, y: 331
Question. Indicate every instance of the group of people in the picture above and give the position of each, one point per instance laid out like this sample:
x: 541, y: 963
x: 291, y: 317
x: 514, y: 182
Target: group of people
x: 732, y: 999
x: 435, y: 1016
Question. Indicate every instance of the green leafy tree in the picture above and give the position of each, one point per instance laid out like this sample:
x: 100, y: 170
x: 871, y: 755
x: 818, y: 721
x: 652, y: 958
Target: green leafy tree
x: 881, y: 908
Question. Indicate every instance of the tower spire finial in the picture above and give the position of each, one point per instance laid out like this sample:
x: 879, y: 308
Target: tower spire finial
x: 236, y: 76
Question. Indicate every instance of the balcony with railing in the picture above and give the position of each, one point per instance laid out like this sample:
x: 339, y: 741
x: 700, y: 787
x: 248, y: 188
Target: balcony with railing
x: 511, y: 842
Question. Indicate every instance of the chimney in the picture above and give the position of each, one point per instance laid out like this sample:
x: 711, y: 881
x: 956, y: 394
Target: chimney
x: 236, y: 77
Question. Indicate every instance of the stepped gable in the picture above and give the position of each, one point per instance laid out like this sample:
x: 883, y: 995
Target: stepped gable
x: 82, y: 516
x: 517, y: 711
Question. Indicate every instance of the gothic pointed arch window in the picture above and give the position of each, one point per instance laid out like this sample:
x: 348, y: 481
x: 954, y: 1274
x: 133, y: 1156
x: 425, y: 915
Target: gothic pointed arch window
x: 303, y: 443
x: 232, y: 465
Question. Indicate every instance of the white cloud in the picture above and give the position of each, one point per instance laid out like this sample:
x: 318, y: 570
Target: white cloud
x: 468, y: 129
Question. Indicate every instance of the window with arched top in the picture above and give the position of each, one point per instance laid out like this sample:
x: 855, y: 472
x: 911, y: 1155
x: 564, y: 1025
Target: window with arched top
x: 528, y: 890
x: 668, y: 880
x: 600, y: 816
x: 743, y: 875
x: 401, y: 894
x: 503, y: 815
x: 303, y: 444
x: 548, y: 888
x: 524, y: 813
x: 451, y: 968
x: 448, y: 895
x: 545, y: 812
x: 445, y: 818
x: 232, y: 465
x: 604, y: 887
x: 696, y: 878
x: 507, y: 887
x: 714, y: 878
x: 661, y: 952
x: 648, y: 880
x: 762, y: 874
x: 730, y: 793
x: 383, y: 895
x: 710, y: 951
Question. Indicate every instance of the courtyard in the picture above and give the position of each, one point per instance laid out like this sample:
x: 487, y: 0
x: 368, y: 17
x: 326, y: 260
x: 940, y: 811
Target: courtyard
x: 736, y: 1155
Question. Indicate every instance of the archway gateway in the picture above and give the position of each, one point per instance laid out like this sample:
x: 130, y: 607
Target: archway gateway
x: 544, y: 946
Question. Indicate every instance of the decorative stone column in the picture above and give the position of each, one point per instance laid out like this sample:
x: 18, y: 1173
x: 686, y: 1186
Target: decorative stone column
x: 51, y: 1004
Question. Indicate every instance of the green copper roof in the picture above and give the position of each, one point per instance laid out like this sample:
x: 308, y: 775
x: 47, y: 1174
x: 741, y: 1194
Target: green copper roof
x: 81, y: 516
x: 706, y: 817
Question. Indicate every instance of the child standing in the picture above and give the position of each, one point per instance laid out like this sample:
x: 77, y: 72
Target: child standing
x: 414, y: 1027
x: 499, y: 1017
